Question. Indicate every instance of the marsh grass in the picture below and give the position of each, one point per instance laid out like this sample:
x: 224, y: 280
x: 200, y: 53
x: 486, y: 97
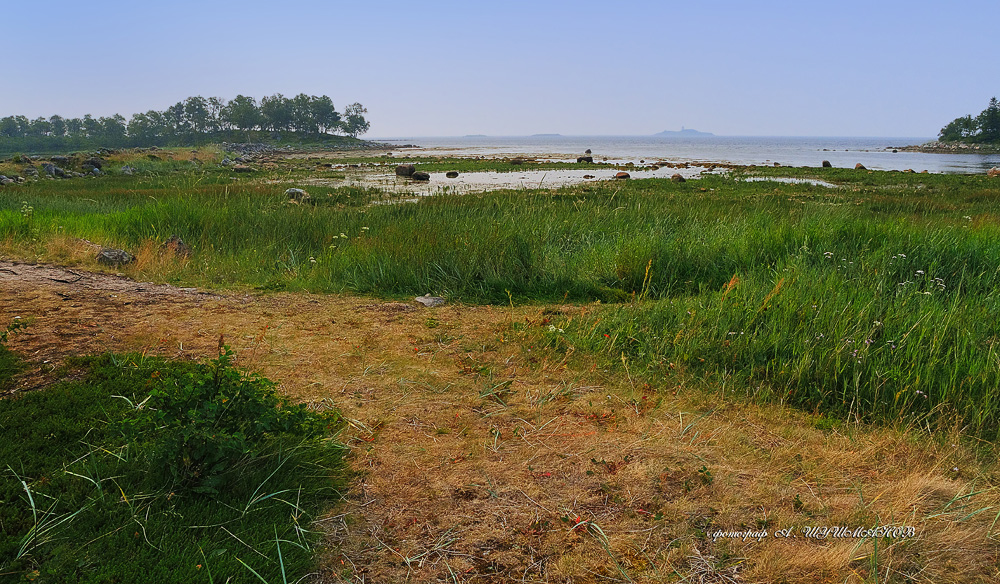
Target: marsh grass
x: 876, y: 299
x: 83, y: 503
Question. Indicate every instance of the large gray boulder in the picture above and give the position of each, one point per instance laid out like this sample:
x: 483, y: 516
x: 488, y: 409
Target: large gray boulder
x: 430, y: 301
x: 114, y: 257
x: 405, y: 170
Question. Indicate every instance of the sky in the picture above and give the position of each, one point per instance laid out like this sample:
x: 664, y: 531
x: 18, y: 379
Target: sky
x: 442, y: 68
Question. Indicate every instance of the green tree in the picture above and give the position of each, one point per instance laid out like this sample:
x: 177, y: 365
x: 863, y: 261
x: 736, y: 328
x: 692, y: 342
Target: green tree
x: 324, y: 114
x: 197, y: 114
x: 242, y: 113
x: 276, y: 112
x: 989, y: 122
x: 958, y: 129
x: 58, y: 125
x: 354, y: 123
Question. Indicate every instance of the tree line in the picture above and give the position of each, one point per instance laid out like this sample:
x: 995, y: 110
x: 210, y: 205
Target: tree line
x: 983, y: 128
x: 195, y: 120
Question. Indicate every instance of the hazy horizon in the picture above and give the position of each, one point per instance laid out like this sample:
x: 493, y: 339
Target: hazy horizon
x: 446, y: 68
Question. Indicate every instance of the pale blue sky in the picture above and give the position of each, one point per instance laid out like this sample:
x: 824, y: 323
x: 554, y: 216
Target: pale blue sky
x: 581, y: 67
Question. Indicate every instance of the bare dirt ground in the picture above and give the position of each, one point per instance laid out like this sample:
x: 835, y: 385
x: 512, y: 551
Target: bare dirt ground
x: 480, y: 458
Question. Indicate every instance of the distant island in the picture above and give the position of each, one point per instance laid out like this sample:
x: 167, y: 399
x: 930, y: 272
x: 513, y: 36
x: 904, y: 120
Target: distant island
x: 475, y: 136
x: 685, y: 133
x: 546, y: 136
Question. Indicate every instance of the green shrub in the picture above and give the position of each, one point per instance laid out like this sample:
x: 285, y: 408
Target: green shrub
x: 205, y: 421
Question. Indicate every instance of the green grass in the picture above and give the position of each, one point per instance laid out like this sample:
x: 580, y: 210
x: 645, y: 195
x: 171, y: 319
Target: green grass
x: 86, y: 500
x: 902, y: 268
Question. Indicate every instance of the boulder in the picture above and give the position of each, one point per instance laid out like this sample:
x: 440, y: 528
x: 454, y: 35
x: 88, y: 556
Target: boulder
x: 909, y: 171
x: 622, y: 175
x: 4, y: 181
x: 826, y: 164
x: 114, y: 257
x: 430, y: 301
x: 53, y: 170
x: 517, y: 161
x: 94, y: 163
x: 859, y: 166
x: 420, y: 175
x: 60, y: 159
x: 589, y: 176
x: 451, y: 174
x: 29, y: 171
x: 585, y: 159
x: 993, y: 172
x: 242, y: 168
x: 587, y: 151
x: 297, y: 195
x: 677, y: 178
x: 405, y: 170
x: 175, y: 245
x: 128, y: 170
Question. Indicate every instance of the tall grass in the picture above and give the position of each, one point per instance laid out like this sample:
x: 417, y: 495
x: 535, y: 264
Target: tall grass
x: 877, y: 299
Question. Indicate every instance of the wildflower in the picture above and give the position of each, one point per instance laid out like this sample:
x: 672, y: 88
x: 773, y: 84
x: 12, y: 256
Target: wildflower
x: 364, y: 229
x: 920, y: 272
x: 343, y: 236
x: 312, y: 260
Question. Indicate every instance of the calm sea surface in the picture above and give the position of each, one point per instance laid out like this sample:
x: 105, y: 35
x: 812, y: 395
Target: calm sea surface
x: 841, y: 152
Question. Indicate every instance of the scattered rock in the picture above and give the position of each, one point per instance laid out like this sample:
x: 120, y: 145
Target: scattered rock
x: 587, y: 151
x: 993, y: 172
x: 859, y: 166
x: 677, y: 178
x: 297, y: 195
x: 4, y: 181
x: 53, y: 170
x: 909, y: 171
x: 623, y: 175
x: 585, y: 159
x: 128, y: 170
x: 226, y: 162
x: 451, y: 174
x: 60, y: 159
x: 430, y: 301
x: 777, y: 164
x: 242, y: 168
x: 895, y: 151
x: 826, y: 164
x: 94, y: 163
x: 29, y: 171
x: 96, y: 171
x: 654, y: 167
x: 517, y: 161
x: 175, y: 245
x: 405, y: 170
x: 589, y: 176
x: 420, y: 175
x: 114, y: 257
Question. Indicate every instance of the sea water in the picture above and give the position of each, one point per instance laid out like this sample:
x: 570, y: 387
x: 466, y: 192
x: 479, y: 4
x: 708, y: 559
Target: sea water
x: 873, y: 153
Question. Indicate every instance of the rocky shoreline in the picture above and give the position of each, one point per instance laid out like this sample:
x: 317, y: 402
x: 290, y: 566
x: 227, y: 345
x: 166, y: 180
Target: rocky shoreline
x: 950, y: 148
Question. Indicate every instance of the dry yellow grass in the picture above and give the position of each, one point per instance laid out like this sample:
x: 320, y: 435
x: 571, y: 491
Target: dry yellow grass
x: 479, y: 458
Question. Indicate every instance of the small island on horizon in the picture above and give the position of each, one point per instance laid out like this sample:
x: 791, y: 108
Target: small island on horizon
x: 685, y: 133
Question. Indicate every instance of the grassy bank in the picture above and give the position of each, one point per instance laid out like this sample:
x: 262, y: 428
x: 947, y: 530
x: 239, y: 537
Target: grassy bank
x: 875, y: 299
x: 133, y: 469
